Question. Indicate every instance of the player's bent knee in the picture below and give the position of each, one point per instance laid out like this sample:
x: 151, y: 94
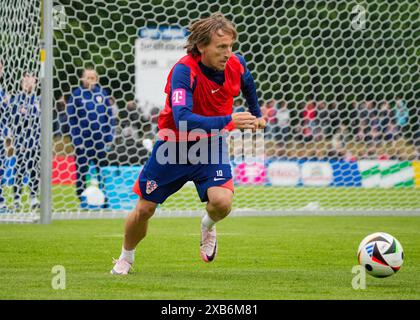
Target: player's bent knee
x: 221, y: 206
x: 145, y: 209
x: 220, y: 200
x: 225, y: 208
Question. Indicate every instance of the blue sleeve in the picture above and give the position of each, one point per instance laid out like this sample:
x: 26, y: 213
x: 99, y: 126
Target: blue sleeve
x: 249, y: 89
x: 72, y: 115
x: 111, y: 121
x: 181, y: 80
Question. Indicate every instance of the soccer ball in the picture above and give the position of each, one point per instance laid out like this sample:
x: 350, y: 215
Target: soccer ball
x: 94, y: 196
x: 381, y: 254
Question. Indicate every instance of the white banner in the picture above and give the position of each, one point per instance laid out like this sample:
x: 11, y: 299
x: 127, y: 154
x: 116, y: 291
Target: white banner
x: 386, y: 173
x: 283, y: 173
x: 317, y: 174
x: 157, y: 50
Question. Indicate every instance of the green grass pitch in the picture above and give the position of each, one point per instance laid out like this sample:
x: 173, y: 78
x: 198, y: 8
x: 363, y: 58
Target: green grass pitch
x: 265, y: 198
x: 259, y: 258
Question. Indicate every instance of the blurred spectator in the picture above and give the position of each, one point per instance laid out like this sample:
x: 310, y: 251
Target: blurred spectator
x: 321, y: 122
x: 308, y: 120
x: 362, y: 129
x: 26, y: 134
x: 373, y: 117
x: 351, y: 118
x: 92, y: 127
x: 60, y: 120
x: 269, y: 112
x: 401, y: 114
x: 333, y: 120
x: 283, y: 122
x: 369, y: 122
x: 114, y: 107
x: 134, y: 127
x: 136, y: 131
x: 386, y: 122
x: 297, y: 122
x: 129, y: 121
x: 154, y: 113
x: 338, y: 143
x: 154, y: 116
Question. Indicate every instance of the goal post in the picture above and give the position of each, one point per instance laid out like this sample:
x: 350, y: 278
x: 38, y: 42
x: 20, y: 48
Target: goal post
x: 46, y: 75
x: 336, y: 82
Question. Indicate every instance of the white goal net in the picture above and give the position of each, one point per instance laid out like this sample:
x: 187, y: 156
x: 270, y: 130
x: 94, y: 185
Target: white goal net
x: 20, y: 29
x: 337, y: 83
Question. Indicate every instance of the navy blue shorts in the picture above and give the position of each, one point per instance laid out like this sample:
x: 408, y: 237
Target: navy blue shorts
x: 172, y: 164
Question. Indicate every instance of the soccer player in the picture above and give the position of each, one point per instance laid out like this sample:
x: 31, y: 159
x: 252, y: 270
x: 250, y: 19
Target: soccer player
x: 26, y: 133
x: 92, y: 126
x: 200, y: 91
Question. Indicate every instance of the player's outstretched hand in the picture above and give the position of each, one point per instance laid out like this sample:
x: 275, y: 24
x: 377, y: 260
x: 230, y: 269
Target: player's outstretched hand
x: 260, y: 123
x: 244, y: 120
